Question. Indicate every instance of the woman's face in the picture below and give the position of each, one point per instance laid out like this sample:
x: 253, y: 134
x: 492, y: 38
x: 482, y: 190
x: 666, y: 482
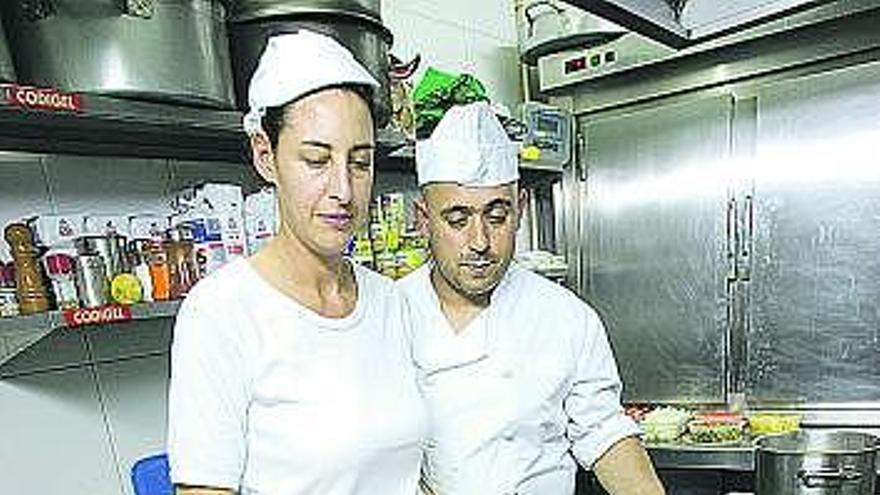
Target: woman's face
x: 322, y: 169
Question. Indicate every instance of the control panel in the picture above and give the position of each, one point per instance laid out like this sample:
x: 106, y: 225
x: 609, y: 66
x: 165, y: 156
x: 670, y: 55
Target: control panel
x: 548, y: 139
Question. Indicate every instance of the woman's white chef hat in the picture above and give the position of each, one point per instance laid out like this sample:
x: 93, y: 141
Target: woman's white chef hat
x: 293, y: 65
x: 469, y: 147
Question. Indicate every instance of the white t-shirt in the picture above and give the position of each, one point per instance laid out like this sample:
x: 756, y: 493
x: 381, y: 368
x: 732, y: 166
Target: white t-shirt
x: 530, y: 382
x: 269, y: 398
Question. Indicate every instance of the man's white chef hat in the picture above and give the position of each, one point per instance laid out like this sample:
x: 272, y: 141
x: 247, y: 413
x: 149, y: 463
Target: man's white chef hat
x: 293, y: 65
x: 469, y: 147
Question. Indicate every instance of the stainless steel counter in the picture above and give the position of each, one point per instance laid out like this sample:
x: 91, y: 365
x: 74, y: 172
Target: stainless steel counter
x: 680, y: 456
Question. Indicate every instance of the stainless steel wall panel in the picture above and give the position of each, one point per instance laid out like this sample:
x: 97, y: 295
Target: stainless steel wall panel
x: 655, y: 237
x: 815, y: 329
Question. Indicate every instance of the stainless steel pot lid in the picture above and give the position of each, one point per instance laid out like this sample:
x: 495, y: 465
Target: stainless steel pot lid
x: 246, y: 10
x: 819, y: 442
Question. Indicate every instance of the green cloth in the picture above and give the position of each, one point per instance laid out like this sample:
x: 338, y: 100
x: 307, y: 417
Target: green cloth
x: 439, y: 91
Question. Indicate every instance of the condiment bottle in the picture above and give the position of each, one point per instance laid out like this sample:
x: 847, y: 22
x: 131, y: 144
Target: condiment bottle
x: 159, y: 272
x: 28, y: 280
x: 59, y: 268
x: 138, y: 259
x: 181, y: 261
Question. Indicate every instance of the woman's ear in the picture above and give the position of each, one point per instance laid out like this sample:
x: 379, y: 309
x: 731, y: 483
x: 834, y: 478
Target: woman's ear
x: 263, y: 156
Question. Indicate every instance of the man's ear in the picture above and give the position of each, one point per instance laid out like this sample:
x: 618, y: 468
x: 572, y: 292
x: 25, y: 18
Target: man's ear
x: 263, y: 156
x: 422, y: 216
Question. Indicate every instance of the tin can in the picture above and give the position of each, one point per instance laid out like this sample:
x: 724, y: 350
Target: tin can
x: 111, y: 248
x: 92, y: 284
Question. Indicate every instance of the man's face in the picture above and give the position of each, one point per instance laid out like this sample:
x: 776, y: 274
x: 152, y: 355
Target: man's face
x: 472, y: 232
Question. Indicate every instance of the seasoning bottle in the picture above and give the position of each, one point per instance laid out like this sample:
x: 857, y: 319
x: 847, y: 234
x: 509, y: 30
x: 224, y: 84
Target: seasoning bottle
x: 8, y: 299
x: 160, y: 274
x: 59, y: 268
x: 138, y: 259
x: 28, y: 280
x: 181, y: 261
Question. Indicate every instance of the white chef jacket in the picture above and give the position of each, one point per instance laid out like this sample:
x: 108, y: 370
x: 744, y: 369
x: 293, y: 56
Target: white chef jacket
x: 529, y: 383
x: 269, y: 398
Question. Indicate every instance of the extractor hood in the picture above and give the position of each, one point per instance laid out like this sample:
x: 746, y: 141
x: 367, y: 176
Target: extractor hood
x: 685, y: 23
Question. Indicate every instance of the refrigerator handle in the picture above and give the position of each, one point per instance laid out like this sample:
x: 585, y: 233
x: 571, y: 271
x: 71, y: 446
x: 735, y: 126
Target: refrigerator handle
x: 580, y: 157
x: 746, y: 238
x: 732, y: 244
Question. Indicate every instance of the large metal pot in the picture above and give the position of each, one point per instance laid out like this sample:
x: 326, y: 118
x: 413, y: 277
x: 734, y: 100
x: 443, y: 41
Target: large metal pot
x: 7, y: 72
x: 247, y: 10
x: 369, y: 41
x: 812, y: 462
x: 551, y: 26
x: 170, y: 50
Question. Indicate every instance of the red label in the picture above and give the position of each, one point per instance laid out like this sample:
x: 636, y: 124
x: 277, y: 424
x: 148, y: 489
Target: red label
x: 113, y: 313
x: 42, y: 98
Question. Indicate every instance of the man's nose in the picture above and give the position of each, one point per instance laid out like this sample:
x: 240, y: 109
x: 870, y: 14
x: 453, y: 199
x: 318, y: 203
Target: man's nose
x: 478, y: 236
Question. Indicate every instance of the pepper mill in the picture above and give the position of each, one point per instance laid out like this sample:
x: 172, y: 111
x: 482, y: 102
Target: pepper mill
x: 28, y: 281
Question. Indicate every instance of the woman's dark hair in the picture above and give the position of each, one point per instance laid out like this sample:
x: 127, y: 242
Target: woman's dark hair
x: 273, y: 120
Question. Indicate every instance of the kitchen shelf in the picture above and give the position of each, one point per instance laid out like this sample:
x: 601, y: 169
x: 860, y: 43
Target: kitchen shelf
x: 19, y: 334
x: 112, y: 126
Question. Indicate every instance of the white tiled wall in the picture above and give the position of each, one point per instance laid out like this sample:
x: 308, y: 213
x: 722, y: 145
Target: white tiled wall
x: 77, y: 431
x: 54, y: 436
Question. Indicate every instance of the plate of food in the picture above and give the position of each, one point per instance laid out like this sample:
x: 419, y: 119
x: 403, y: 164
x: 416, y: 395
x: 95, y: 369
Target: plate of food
x: 715, y: 432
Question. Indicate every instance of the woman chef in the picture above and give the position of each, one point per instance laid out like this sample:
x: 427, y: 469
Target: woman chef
x: 290, y: 373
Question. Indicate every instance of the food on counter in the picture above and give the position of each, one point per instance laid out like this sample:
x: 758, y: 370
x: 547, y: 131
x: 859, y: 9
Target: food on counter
x: 767, y: 423
x: 705, y: 431
x: 637, y: 411
x: 665, y: 424
x: 716, y: 427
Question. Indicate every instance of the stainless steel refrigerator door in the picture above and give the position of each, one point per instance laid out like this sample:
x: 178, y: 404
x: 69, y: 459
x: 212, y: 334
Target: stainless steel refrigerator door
x: 815, y: 288
x: 655, y: 235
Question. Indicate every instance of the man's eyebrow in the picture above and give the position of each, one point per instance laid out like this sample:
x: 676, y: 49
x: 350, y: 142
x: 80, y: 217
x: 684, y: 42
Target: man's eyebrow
x: 317, y: 144
x: 456, y: 209
x: 363, y: 147
x: 500, y: 202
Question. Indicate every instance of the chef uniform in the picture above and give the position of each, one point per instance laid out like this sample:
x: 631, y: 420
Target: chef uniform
x: 267, y: 396
x: 530, y: 385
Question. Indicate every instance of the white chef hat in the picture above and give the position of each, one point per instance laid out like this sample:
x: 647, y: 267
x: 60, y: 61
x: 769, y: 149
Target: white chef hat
x: 469, y: 147
x: 293, y: 65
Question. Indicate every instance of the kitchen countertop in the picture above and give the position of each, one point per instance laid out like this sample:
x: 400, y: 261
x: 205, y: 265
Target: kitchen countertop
x: 683, y: 456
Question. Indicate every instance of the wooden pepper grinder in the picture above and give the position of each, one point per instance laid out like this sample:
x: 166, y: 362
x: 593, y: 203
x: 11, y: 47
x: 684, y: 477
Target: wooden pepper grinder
x: 28, y: 281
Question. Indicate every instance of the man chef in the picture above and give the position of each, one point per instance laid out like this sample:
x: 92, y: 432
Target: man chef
x: 519, y: 378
